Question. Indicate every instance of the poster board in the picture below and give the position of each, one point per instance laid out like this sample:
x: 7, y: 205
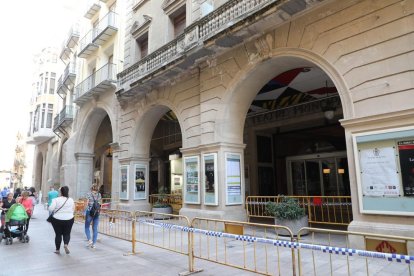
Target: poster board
x: 210, y: 181
x: 124, y: 189
x: 140, y: 181
x: 192, y: 180
x: 233, y: 179
x: 384, y: 161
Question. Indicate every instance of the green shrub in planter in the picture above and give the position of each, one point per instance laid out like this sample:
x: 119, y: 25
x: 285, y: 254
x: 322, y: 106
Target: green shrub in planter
x: 286, y: 209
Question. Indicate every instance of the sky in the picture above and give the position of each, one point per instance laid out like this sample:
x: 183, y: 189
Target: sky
x: 27, y: 26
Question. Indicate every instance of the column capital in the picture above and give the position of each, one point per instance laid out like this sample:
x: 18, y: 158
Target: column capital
x: 83, y: 155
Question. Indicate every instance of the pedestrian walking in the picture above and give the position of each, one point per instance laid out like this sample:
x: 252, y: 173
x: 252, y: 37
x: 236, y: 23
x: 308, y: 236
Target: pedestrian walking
x: 52, y: 194
x: 17, y: 193
x: 6, y: 204
x: 4, y: 192
x: 63, y: 208
x: 92, y: 215
x: 27, y: 203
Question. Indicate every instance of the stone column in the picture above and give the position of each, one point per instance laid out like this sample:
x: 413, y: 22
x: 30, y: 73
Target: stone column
x: 224, y: 209
x: 84, y: 174
x: 137, y: 200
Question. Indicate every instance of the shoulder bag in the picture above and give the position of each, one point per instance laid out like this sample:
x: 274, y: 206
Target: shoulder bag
x: 49, y: 219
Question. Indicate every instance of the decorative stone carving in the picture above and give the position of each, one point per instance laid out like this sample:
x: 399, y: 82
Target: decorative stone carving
x: 137, y: 4
x: 264, y: 45
x: 138, y: 29
x: 171, y: 5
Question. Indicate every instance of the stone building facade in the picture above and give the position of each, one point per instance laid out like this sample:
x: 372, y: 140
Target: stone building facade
x: 202, y: 94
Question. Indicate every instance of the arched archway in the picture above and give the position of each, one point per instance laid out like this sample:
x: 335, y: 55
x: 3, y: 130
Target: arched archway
x: 278, y: 109
x: 230, y: 120
x: 156, y: 138
x: 94, y: 152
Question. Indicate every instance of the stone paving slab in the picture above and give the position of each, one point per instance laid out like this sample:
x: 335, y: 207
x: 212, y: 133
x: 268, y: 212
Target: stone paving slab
x: 37, y: 257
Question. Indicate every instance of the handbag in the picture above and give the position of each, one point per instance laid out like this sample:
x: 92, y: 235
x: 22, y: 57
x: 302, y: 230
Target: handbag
x: 50, y: 217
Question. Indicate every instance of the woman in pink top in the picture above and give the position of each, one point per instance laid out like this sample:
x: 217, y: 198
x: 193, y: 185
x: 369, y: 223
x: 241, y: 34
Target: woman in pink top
x: 27, y: 203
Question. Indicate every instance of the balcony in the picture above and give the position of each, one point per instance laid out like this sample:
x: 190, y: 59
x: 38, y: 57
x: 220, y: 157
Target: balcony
x: 99, y: 35
x: 93, y: 7
x: 40, y: 135
x: 106, y: 28
x: 66, y: 81
x: 87, y: 47
x: 228, y: 26
x: 97, y: 83
x: 70, y: 42
x: 63, y: 120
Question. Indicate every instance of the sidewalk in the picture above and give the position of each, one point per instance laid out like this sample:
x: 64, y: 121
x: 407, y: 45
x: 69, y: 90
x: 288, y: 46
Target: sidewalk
x: 109, y: 258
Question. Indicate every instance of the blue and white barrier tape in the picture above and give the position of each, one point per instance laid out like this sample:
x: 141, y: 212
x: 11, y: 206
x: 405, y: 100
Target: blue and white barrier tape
x: 288, y: 244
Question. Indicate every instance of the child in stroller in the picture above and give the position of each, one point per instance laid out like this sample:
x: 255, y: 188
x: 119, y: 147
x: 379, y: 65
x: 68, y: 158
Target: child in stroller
x: 16, y: 224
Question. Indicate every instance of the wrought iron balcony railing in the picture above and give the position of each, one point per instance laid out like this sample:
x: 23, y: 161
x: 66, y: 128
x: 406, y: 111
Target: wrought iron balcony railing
x: 96, y: 83
x: 97, y: 36
x: 64, y: 117
x: 66, y: 81
x: 224, y: 17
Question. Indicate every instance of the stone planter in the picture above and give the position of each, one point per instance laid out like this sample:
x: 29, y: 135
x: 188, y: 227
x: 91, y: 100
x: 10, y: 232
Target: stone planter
x: 162, y: 210
x: 293, y: 225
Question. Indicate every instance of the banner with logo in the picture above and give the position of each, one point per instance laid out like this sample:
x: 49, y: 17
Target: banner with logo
x: 406, y: 153
x: 379, y: 173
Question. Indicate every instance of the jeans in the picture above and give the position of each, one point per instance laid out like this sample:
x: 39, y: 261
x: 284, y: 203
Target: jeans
x: 95, y: 223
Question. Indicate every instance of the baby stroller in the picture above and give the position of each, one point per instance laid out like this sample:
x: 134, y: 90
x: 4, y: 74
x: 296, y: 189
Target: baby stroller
x: 16, y: 224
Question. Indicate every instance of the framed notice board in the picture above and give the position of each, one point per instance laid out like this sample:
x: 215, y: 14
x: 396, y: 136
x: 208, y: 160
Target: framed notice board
x: 192, y: 179
x: 385, y: 171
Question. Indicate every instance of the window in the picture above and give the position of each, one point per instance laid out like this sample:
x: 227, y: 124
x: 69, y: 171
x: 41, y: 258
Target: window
x: 52, y: 83
x: 39, y: 91
x: 179, y: 20
x: 36, y: 119
x: 42, y: 118
x: 49, y: 115
x: 46, y: 83
x: 142, y: 43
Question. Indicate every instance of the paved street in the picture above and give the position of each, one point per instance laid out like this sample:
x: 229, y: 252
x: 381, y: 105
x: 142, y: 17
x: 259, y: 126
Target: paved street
x: 111, y: 258
x: 37, y: 257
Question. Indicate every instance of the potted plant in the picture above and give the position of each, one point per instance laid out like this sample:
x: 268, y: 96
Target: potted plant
x: 288, y: 213
x: 161, y: 206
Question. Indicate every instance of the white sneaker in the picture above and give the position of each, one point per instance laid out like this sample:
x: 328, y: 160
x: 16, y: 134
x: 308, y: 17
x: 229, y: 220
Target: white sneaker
x: 89, y: 244
x: 93, y: 246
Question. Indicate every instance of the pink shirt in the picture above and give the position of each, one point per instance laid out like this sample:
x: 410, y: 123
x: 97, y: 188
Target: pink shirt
x: 28, y: 205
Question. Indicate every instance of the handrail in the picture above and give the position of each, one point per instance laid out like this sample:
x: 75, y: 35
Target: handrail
x: 225, y: 16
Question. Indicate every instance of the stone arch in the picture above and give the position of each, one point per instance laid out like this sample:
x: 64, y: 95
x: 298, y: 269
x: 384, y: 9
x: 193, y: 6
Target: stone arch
x: 90, y: 125
x: 248, y: 82
x: 147, y: 119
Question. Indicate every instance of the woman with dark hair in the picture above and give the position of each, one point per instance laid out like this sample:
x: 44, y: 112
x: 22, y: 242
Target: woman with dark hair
x: 5, y: 206
x: 92, y: 197
x: 63, y: 208
x: 17, y: 193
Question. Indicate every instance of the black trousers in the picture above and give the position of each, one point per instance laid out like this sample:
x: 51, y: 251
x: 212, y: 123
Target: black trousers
x: 62, y: 228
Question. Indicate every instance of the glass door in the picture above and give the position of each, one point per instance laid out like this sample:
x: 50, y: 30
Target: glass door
x: 318, y: 175
x: 313, y: 178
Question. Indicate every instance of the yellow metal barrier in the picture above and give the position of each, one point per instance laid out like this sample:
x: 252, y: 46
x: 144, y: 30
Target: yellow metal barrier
x: 238, y: 249
x: 331, y: 210
x: 157, y: 229
x: 80, y: 207
x: 118, y: 224
x: 328, y: 252
x: 175, y: 200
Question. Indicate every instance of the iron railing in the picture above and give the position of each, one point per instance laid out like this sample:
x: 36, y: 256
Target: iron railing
x: 225, y: 16
x: 106, y: 73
